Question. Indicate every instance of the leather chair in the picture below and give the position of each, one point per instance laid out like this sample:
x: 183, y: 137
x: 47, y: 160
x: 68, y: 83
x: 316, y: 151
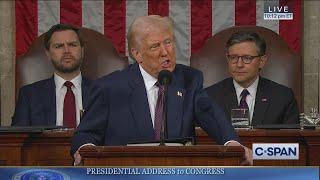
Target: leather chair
x: 100, y: 58
x: 283, y: 66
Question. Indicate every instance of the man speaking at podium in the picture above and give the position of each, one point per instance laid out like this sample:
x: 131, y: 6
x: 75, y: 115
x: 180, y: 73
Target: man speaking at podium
x: 124, y: 106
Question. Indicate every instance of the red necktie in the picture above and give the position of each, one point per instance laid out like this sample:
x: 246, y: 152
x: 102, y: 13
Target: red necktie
x: 69, y: 107
x: 158, y: 117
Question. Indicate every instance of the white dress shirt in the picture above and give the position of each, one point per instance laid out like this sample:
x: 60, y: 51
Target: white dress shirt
x: 152, y: 91
x: 251, y: 98
x: 61, y: 91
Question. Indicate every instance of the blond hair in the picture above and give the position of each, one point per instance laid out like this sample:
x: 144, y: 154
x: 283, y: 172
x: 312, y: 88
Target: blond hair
x: 140, y: 24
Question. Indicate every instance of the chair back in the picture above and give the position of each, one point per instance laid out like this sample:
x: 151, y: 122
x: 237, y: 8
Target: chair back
x: 283, y: 65
x: 100, y: 58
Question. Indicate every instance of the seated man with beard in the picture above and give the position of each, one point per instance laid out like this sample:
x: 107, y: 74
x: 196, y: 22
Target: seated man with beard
x: 56, y: 101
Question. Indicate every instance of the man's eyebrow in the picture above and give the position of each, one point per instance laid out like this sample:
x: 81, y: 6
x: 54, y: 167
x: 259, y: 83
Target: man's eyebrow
x: 58, y: 43
x: 73, y: 42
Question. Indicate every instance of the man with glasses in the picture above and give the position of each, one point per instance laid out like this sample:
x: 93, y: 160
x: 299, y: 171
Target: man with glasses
x: 268, y: 102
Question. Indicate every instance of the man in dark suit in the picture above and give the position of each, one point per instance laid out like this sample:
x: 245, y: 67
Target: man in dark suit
x: 123, y: 106
x: 56, y: 101
x: 268, y: 102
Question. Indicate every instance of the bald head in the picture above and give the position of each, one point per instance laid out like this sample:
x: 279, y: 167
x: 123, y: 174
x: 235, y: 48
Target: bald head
x: 141, y: 27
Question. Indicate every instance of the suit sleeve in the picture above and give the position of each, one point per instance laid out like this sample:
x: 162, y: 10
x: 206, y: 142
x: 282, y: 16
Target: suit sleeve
x: 21, y: 116
x: 94, y: 121
x: 291, y: 114
x: 212, y: 118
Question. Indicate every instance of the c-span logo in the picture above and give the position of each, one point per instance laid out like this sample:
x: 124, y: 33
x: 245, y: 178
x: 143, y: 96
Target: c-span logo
x: 273, y: 11
x: 275, y: 151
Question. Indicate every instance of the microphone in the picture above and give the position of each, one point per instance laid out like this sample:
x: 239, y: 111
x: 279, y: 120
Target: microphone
x: 164, y: 78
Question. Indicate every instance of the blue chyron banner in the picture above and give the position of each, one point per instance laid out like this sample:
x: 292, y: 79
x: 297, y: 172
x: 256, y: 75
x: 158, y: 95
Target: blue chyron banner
x: 159, y: 173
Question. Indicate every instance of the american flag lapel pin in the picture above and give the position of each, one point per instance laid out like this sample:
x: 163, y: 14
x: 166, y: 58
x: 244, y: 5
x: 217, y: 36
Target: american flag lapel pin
x: 264, y: 100
x: 179, y: 93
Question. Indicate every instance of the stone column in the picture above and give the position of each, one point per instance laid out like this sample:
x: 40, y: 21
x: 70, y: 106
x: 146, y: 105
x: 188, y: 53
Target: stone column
x: 311, y: 54
x: 7, y: 60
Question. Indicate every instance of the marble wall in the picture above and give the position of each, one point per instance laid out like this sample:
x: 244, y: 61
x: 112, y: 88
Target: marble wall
x: 311, y: 54
x: 7, y: 60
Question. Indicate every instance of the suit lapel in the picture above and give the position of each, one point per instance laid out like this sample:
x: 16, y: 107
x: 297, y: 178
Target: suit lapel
x: 231, y: 97
x: 139, y: 103
x: 261, y: 103
x: 175, y: 105
x: 50, y: 103
x: 85, y: 83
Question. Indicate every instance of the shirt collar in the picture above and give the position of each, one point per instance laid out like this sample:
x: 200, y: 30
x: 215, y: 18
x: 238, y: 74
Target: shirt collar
x: 149, y: 81
x: 252, y: 88
x: 59, y: 81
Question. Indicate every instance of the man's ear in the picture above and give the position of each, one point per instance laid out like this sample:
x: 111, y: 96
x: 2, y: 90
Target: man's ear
x: 136, y: 55
x: 226, y: 55
x: 263, y: 61
x: 47, y: 53
x: 82, y: 52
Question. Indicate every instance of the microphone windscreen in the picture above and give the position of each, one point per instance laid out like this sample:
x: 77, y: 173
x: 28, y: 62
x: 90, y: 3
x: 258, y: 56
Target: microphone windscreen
x: 164, y: 77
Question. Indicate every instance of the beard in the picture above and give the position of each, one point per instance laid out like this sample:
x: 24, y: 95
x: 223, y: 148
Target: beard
x: 74, y: 66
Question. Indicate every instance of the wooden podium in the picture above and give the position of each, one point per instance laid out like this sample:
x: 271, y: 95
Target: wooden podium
x: 48, y: 148
x: 206, y: 155
x: 52, y: 148
x: 309, y: 144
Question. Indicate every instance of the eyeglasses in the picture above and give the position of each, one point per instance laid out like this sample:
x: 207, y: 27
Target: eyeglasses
x: 247, y: 59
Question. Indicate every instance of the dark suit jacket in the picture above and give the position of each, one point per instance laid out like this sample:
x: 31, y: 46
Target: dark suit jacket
x: 118, y: 110
x: 274, y: 104
x: 36, y: 105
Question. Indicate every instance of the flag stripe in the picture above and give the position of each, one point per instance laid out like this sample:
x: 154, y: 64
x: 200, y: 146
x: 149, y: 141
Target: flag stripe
x: 223, y: 15
x: 245, y: 12
x: 48, y: 15
x: 270, y: 24
x: 134, y: 8
x: 93, y: 15
x: 26, y: 24
x: 193, y: 19
x: 180, y: 12
x: 201, y: 19
x: 71, y: 12
x: 290, y: 30
x: 158, y: 7
x: 114, y: 23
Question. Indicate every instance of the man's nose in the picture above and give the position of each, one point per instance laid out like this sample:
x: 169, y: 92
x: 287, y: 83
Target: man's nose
x: 164, y: 51
x: 66, y: 48
x: 240, y: 62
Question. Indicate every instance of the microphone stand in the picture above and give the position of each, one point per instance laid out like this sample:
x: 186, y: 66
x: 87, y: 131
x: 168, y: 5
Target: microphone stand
x: 163, y: 131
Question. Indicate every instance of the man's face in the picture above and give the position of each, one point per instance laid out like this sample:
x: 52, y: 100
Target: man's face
x: 65, y: 51
x: 156, y: 51
x: 242, y: 73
